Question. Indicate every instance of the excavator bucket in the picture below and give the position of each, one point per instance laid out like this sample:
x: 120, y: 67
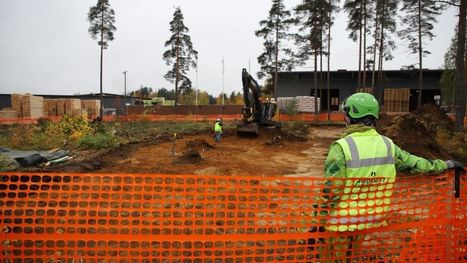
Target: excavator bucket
x: 248, y: 129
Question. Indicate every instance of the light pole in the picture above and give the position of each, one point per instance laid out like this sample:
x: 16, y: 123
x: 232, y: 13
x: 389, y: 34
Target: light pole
x: 196, y: 91
x: 222, y: 82
x: 124, y: 94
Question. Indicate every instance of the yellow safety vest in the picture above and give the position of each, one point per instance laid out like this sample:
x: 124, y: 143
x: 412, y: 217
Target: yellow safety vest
x: 217, y: 127
x: 365, y: 199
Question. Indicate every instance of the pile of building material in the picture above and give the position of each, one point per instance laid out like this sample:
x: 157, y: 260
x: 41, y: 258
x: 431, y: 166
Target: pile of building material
x: 8, y: 114
x: 396, y: 100
x: 303, y: 103
x: 27, y: 106
x: 60, y: 107
x: 91, y: 107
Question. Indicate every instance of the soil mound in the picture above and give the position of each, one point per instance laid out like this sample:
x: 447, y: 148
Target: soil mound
x: 417, y: 132
x: 199, y: 145
x: 189, y: 157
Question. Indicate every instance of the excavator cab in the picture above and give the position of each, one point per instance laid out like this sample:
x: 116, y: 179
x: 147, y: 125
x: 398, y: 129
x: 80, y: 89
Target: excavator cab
x: 255, y: 113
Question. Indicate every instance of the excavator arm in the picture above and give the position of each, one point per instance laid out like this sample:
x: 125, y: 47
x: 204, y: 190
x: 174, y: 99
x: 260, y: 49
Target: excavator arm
x: 251, y: 96
x: 254, y: 112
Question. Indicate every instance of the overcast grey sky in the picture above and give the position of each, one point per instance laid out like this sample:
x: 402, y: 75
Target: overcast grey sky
x: 45, y: 47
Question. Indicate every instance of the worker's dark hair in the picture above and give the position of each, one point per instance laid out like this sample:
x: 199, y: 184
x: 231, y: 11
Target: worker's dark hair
x: 366, y: 120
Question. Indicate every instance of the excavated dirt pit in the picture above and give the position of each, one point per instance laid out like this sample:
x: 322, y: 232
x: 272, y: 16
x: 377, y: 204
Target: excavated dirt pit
x: 272, y: 153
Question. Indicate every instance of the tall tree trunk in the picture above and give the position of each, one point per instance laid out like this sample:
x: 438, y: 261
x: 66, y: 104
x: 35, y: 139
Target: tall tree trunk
x: 321, y: 65
x: 380, y: 89
x: 420, y: 56
x: 328, y: 86
x: 364, y: 45
x: 277, y: 62
x: 460, y: 99
x: 359, y: 78
x: 375, y: 47
x: 315, y: 79
x: 176, y: 72
x: 102, y: 61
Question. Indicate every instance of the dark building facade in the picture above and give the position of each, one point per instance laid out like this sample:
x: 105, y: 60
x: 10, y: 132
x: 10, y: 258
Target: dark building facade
x: 343, y: 83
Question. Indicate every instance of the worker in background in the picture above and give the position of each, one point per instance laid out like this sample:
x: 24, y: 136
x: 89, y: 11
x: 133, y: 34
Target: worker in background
x: 362, y: 153
x: 266, y: 107
x: 218, y: 130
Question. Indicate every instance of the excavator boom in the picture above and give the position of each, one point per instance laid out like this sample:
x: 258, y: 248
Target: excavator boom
x: 254, y: 112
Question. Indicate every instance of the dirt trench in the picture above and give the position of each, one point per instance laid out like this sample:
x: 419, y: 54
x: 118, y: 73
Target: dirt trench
x: 272, y: 153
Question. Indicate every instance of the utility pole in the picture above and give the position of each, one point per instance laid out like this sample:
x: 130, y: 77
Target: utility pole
x: 196, y: 91
x: 124, y: 92
x: 124, y: 73
x: 222, y: 82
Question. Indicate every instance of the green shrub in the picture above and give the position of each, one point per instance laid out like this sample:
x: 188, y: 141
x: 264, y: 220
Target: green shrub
x: 70, y: 125
x: 98, y: 141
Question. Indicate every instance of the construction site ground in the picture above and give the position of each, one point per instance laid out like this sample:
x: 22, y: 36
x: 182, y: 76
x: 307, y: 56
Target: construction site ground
x: 272, y: 153
x: 298, y: 149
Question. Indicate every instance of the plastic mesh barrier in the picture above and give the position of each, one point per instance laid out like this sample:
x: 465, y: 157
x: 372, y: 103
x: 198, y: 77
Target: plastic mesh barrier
x: 191, y: 218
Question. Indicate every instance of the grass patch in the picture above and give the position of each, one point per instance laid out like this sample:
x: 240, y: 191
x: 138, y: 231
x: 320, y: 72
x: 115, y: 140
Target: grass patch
x: 98, y: 141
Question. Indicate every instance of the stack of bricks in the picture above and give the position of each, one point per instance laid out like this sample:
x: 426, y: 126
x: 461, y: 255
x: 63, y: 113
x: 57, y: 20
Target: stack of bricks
x: 305, y: 104
x: 92, y: 107
x: 27, y: 106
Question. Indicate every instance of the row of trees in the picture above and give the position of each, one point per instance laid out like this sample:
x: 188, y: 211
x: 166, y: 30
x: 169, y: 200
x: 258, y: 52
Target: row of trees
x: 367, y: 20
x: 313, y: 20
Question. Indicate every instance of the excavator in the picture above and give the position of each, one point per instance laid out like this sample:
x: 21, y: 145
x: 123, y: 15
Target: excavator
x: 255, y: 113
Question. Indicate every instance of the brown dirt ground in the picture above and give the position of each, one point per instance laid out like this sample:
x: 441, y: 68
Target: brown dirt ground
x: 300, y: 153
x: 234, y: 155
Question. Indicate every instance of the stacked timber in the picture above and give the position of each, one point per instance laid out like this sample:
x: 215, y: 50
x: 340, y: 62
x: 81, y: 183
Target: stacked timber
x: 92, y: 107
x: 60, y: 107
x: 27, y: 105
x: 303, y: 103
x: 50, y: 107
x: 8, y: 114
x: 335, y: 101
x: 396, y: 100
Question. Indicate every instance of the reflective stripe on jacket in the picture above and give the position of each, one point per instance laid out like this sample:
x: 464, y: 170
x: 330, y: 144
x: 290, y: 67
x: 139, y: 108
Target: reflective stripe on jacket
x: 363, y: 203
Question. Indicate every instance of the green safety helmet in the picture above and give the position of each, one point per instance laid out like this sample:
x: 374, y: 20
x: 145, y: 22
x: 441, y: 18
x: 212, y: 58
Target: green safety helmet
x: 360, y: 105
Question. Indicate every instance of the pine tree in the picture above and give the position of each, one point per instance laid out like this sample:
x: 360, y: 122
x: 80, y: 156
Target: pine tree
x: 102, y: 20
x: 312, y: 17
x: 384, y: 25
x: 461, y: 61
x: 180, y: 55
x: 274, y: 30
x: 333, y: 7
x: 448, y: 78
x: 355, y: 11
x: 418, y: 19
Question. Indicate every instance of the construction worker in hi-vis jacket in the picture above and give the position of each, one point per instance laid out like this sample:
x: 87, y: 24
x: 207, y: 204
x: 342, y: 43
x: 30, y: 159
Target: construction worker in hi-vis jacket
x: 218, y: 130
x: 362, y: 153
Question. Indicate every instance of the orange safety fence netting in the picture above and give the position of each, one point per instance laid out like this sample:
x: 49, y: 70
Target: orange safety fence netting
x: 193, y: 218
x: 322, y: 117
